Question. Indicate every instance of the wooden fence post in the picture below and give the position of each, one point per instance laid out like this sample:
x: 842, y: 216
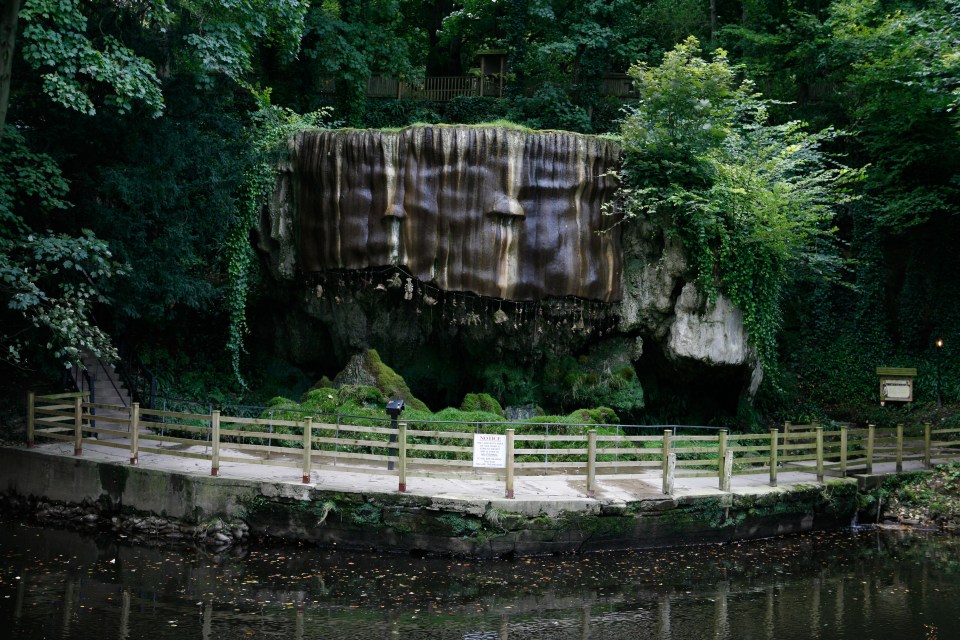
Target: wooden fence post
x: 666, y: 461
x: 215, y: 443
x: 819, y: 453
x: 31, y: 417
x: 402, y: 454
x: 871, y: 432
x: 134, y: 432
x: 77, y: 426
x: 774, y: 451
x: 899, y: 448
x: 508, y: 493
x: 307, y: 447
x: 722, y: 454
x: 669, y: 474
x: 727, y: 473
x: 927, y: 427
x: 843, y: 452
x: 592, y: 463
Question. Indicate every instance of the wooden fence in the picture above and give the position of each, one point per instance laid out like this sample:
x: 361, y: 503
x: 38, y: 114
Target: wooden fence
x: 443, y: 449
x: 445, y: 88
x: 436, y: 88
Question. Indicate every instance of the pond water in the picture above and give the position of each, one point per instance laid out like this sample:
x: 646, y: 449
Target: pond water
x: 856, y: 584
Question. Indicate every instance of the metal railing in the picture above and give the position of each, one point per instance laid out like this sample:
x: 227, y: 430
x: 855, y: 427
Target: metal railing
x: 136, y: 377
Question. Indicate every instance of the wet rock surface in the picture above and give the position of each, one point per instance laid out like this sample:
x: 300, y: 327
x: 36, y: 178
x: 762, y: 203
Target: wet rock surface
x: 440, y: 246
x: 501, y: 213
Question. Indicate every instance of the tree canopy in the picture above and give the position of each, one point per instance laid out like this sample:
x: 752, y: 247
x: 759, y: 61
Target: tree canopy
x: 136, y: 135
x: 752, y: 201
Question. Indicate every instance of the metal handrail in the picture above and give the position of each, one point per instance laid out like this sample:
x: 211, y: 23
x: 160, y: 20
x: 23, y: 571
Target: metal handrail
x: 113, y: 383
x: 342, y: 418
x: 131, y: 369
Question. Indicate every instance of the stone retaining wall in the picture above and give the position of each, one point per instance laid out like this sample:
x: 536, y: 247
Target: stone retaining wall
x: 219, y: 512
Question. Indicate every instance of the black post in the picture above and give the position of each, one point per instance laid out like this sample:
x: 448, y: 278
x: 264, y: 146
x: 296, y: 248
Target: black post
x: 939, y: 344
x: 394, y: 409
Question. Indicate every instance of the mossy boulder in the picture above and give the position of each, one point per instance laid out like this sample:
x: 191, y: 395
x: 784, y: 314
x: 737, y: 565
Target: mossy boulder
x: 331, y: 400
x: 467, y: 416
x: 481, y: 402
x: 366, y: 369
x: 598, y: 415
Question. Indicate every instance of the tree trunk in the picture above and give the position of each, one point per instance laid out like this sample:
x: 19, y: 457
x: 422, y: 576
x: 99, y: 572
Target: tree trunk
x: 713, y: 21
x: 9, y: 9
x: 514, y: 26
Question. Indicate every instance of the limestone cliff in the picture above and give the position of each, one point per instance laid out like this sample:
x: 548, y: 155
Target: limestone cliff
x: 498, y: 212
x: 436, y: 244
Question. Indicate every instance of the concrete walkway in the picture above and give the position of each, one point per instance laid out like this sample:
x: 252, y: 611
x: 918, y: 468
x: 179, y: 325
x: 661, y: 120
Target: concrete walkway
x: 567, y: 492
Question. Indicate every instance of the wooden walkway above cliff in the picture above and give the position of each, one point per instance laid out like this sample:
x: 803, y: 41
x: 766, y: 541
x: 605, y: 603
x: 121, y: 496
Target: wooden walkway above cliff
x: 445, y: 88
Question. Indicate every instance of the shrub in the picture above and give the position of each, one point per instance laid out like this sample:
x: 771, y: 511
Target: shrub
x: 474, y: 110
x: 481, y: 402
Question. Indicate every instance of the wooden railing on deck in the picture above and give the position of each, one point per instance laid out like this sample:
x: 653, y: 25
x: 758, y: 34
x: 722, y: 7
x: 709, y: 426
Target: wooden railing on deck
x: 445, y: 88
x: 443, y: 449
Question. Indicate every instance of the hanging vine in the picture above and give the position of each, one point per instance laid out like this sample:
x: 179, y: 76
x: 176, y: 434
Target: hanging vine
x: 270, y: 133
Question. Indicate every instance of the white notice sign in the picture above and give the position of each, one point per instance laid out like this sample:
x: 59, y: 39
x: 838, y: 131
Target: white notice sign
x: 489, y: 450
x: 901, y: 390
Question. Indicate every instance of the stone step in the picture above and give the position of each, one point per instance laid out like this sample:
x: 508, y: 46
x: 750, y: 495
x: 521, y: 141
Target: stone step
x: 107, y: 386
x: 104, y: 374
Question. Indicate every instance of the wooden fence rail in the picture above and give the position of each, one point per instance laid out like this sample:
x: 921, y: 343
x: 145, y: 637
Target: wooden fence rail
x: 445, y: 88
x: 440, y: 451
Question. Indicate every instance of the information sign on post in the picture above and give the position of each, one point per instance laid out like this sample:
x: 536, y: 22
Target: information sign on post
x: 896, y: 384
x: 489, y: 450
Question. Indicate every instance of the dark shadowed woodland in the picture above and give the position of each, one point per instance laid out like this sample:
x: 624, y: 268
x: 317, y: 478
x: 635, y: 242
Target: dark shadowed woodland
x: 784, y: 173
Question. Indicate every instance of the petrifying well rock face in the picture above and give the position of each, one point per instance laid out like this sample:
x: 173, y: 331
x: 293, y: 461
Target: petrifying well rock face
x: 501, y: 213
x: 514, y: 217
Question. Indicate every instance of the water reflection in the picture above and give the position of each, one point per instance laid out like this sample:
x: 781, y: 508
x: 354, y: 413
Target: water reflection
x: 59, y: 584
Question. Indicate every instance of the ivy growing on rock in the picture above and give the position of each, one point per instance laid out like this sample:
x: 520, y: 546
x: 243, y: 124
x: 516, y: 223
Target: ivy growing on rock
x: 269, y: 134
